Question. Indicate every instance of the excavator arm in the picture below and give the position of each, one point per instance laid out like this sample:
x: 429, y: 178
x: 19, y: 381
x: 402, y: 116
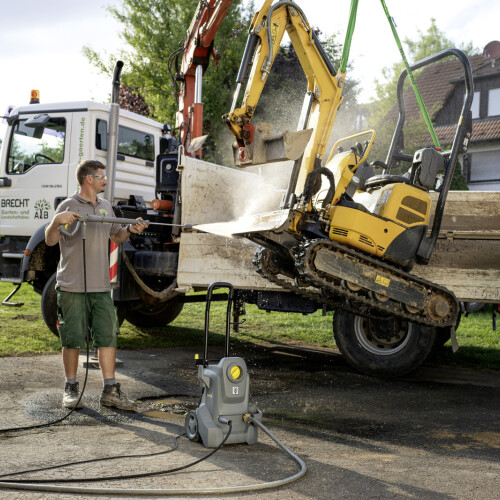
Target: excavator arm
x: 322, y: 99
x: 196, y: 51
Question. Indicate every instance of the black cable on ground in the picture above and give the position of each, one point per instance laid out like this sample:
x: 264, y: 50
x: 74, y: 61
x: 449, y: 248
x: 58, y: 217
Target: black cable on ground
x: 87, y: 338
x: 93, y: 460
x: 113, y: 478
x: 36, y: 486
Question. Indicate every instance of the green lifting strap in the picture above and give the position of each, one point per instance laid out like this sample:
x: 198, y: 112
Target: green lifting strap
x: 348, y: 36
x: 420, y: 102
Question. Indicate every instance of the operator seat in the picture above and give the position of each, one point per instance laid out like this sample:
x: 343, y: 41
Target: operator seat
x: 427, y: 163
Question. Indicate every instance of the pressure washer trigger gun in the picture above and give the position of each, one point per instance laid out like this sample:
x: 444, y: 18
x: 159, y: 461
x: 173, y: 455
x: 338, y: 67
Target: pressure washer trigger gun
x: 63, y: 228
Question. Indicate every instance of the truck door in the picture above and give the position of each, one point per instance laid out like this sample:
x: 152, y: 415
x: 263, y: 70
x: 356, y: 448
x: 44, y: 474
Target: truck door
x: 34, y: 171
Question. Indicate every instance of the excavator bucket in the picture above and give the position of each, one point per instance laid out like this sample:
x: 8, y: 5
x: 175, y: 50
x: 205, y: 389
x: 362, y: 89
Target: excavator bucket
x: 268, y: 147
x: 278, y: 221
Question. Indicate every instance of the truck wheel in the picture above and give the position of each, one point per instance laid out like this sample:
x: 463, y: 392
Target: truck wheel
x: 49, y: 304
x: 160, y: 315
x: 388, y: 347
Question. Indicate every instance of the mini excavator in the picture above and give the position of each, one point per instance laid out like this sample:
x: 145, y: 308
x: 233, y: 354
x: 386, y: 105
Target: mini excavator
x: 340, y: 238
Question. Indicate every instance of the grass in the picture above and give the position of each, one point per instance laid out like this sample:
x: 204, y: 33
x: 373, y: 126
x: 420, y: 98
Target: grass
x: 23, y: 331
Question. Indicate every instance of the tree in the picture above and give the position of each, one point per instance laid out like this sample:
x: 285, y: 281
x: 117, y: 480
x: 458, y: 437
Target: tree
x: 154, y: 29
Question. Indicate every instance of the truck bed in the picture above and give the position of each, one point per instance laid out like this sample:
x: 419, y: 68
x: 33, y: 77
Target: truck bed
x: 466, y: 258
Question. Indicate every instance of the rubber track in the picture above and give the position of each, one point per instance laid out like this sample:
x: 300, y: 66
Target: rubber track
x: 327, y: 291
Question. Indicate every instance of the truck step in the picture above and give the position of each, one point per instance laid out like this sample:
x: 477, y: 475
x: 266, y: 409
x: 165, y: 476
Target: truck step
x: 9, y: 255
x: 15, y: 279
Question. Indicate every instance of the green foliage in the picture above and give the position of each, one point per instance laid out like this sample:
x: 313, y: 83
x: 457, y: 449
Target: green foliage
x: 153, y: 30
x: 458, y: 182
x: 56, y: 152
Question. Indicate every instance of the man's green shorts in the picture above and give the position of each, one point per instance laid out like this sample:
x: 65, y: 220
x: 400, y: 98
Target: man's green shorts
x: 102, y: 319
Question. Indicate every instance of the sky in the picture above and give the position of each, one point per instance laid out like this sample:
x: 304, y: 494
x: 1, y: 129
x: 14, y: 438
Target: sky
x: 41, y: 41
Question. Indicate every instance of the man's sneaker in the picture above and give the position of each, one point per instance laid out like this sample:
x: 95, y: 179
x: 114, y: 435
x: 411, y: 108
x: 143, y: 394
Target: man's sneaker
x: 71, y: 396
x: 113, y: 396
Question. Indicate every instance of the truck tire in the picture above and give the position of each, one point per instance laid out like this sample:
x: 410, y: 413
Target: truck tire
x: 387, y: 347
x: 144, y: 315
x: 49, y: 304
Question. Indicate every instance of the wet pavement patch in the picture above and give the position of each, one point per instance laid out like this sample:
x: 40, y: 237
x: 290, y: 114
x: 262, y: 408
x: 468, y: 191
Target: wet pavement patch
x: 46, y: 407
x: 169, y: 406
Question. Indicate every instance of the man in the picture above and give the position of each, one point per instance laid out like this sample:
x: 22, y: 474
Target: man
x: 70, y: 287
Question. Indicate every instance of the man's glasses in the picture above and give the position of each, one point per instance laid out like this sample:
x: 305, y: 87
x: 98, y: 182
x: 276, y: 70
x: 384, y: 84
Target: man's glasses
x: 100, y: 177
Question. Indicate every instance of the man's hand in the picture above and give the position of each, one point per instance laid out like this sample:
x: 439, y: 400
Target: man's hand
x: 137, y: 228
x: 52, y: 235
x: 66, y: 218
x: 124, y: 233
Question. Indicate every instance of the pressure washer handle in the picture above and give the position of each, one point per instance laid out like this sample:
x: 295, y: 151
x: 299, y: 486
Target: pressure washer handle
x: 111, y: 220
x: 211, y: 288
x: 63, y: 228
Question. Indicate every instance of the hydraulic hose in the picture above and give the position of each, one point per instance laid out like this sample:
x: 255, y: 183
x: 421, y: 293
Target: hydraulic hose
x: 172, y: 492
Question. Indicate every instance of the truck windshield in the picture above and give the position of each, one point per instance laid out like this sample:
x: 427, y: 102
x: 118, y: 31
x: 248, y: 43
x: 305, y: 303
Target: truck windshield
x: 31, y: 146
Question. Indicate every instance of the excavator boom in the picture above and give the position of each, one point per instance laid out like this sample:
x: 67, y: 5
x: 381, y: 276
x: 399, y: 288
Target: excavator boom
x: 322, y: 99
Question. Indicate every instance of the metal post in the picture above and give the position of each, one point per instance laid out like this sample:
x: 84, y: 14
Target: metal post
x: 112, y: 139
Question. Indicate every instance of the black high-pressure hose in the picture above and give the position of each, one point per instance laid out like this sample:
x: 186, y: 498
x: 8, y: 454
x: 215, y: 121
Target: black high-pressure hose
x: 37, y: 485
x: 87, y: 338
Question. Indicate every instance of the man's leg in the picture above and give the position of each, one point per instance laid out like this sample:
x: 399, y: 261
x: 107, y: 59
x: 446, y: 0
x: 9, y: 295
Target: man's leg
x: 107, y: 357
x: 104, y: 327
x: 70, y: 362
x: 72, y: 334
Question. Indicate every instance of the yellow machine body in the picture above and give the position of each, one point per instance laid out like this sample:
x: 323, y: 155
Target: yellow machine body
x: 376, y: 217
x: 397, y: 208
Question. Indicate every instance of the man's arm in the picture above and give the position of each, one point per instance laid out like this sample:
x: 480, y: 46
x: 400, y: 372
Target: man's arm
x: 52, y: 235
x: 124, y: 233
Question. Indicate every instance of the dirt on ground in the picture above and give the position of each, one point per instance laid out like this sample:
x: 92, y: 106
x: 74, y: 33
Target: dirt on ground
x: 432, y: 435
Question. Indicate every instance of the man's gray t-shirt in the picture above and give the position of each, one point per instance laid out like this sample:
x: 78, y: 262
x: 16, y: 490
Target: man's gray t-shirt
x: 70, y: 268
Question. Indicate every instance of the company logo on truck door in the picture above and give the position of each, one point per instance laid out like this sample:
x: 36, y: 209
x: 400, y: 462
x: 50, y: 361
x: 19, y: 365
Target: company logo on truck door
x: 19, y: 208
x: 42, y: 208
x: 14, y: 202
x: 14, y: 208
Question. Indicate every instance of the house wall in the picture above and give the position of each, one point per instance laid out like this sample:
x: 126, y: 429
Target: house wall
x: 481, y: 167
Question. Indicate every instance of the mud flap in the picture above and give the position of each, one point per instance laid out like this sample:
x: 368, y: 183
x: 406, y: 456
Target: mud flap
x: 454, y: 342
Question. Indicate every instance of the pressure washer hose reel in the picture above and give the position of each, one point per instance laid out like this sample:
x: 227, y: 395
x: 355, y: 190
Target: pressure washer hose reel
x: 225, y: 392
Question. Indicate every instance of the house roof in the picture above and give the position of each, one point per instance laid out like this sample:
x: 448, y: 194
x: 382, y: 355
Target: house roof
x: 437, y: 82
x: 482, y: 130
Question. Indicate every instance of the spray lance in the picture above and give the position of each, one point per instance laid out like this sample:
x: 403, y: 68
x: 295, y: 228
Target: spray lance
x: 84, y: 218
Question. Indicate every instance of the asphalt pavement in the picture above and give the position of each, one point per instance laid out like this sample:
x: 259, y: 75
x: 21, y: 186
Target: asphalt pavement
x: 432, y: 435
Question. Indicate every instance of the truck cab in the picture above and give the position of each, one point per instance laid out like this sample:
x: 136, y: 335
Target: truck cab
x: 42, y: 147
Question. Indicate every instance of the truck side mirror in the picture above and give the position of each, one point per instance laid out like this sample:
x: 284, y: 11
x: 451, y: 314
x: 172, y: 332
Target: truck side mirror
x: 37, y: 121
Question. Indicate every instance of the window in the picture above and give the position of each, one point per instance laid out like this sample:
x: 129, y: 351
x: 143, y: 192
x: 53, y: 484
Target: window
x: 485, y: 166
x: 494, y: 102
x: 475, y: 105
x: 30, y: 146
x: 130, y: 142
